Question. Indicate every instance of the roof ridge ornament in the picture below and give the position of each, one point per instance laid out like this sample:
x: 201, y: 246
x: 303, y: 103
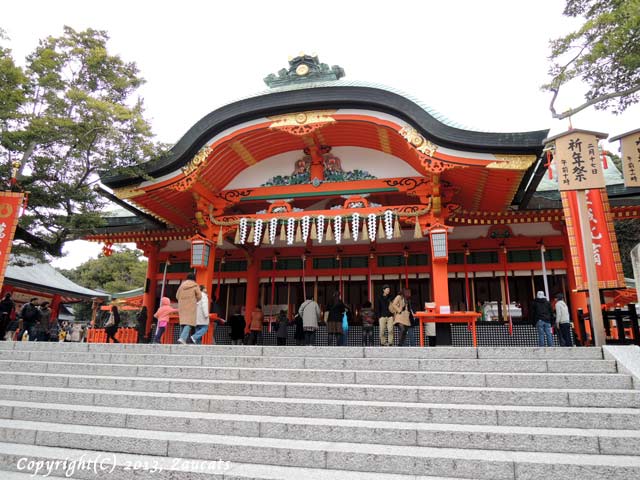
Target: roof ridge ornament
x: 302, y: 69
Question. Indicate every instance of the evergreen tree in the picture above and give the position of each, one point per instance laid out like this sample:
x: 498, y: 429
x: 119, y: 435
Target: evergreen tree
x: 604, y: 53
x: 70, y: 114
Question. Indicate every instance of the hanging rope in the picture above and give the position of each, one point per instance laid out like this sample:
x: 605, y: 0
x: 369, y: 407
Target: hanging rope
x: 406, y: 269
x: 340, y: 274
x: 220, y: 264
x: 506, y: 288
x: 238, y: 221
x: 304, y: 283
x: 274, y: 262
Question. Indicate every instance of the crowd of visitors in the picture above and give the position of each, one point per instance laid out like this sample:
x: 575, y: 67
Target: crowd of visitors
x: 390, y: 312
x: 34, y: 322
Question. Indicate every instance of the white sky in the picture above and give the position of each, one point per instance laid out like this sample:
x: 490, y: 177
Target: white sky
x: 480, y: 63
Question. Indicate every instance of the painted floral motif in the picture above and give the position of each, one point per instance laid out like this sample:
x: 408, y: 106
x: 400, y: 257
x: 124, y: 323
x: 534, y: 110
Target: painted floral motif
x: 332, y: 173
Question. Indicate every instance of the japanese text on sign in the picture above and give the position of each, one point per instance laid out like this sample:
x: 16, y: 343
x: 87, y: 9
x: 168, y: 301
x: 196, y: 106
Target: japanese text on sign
x: 577, y: 162
x: 631, y: 160
x: 596, y: 234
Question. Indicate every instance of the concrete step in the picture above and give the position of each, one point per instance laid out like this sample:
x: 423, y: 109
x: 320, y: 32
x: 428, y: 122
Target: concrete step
x: 393, y: 393
x: 24, y: 476
x: 290, y: 375
x: 402, y: 411
x: 85, y: 463
x: 377, y: 364
x: 516, y: 353
x: 297, y: 412
x: 488, y: 437
x: 408, y: 460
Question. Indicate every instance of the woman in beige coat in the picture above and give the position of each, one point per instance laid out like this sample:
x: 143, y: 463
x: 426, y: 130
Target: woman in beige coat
x: 188, y: 295
x: 401, y: 316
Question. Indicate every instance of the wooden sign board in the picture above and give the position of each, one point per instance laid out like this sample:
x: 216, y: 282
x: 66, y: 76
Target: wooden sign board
x: 578, y: 160
x: 630, y: 153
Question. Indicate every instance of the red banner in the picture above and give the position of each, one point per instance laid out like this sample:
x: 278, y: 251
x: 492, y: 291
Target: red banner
x: 606, y: 255
x: 10, y: 204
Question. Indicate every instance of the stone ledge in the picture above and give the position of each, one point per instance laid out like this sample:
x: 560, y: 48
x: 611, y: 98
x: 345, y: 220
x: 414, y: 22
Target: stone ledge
x: 627, y: 358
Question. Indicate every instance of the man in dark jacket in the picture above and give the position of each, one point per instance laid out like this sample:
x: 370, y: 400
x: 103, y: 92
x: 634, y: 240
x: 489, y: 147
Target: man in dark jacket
x: 542, y: 315
x: 30, y: 317
x: 6, y: 308
x: 385, y: 317
x: 236, y: 327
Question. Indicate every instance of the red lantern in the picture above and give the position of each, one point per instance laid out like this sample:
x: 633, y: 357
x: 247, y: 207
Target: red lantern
x: 107, y: 249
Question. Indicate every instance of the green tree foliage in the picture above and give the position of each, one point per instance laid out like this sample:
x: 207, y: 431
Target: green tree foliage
x: 628, y: 234
x: 12, y: 80
x: 604, y: 53
x: 70, y: 114
x: 122, y: 271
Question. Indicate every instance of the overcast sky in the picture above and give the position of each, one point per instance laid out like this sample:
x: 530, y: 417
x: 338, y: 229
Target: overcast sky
x: 480, y: 63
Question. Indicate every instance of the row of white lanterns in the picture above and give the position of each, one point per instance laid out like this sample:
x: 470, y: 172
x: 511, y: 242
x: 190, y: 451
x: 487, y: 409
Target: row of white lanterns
x: 299, y: 230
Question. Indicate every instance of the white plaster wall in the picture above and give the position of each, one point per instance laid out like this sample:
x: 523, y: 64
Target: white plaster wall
x: 177, y: 246
x: 467, y: 233
x: 519, y: 229
x: 534, y: 229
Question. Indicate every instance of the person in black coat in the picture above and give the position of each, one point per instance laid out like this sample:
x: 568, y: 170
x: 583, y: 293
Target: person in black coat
x: 111, y: 327
x: 299, y: 332
x: 334, y: 323
x: 30, y: 315
x: 7, y: 306
x: 283, y: 328
x: 542, y: 314
x: 236, y: 328
x: 141, y: 325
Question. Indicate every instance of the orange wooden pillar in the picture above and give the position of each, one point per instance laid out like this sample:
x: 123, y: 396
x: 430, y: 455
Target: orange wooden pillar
x: 252, y: 289
x: 149, y: 298
x: 578, y: 300
x: 439, y: 240
x: 55, y: 308
x: 440, y: 283
x: 204, y: 276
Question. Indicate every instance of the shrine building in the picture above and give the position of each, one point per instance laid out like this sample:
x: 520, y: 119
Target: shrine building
x: 321, y: 184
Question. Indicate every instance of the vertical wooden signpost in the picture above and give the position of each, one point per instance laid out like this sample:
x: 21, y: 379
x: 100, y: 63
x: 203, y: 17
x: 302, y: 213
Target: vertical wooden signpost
x: 579, y: 170
x: 630, y: 153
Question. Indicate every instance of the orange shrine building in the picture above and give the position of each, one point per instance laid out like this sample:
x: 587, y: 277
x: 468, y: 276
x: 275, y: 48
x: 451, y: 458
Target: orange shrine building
x: 321, y: 184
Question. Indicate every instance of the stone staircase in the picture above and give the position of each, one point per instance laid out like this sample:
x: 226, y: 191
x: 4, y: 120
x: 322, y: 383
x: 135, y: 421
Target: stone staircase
x: 196, y: 412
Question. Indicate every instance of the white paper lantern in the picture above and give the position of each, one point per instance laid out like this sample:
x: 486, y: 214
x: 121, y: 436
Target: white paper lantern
x: 372, y: 224
x: 257, y: 232
x: 337, y: 228
x: 388, y: 224
x: 291, y: 230
x: 305, y: 227
x: 355, y: 226
x: 243, y: 230
x: 273, y: 230
x: 320, y: 225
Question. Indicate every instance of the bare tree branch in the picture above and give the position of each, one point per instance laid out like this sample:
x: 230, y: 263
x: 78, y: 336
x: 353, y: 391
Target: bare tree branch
x: 52, y: 248
x: 601, y: 98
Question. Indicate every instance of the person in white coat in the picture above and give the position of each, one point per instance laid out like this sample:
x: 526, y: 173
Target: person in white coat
x: 202, y: 316
x: 310, y: 313
x: 563, y: 321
